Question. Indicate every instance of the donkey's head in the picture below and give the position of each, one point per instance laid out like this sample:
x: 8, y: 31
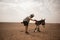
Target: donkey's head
x: 43, y: 22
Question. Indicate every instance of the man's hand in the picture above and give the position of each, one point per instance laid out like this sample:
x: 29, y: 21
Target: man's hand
x: 35, y: 20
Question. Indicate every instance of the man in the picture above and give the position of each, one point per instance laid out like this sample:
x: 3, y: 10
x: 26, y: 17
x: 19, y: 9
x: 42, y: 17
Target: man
x: 26, y: 22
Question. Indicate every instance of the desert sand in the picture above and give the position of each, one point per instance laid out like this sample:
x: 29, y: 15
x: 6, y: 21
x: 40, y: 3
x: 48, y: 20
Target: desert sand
x: 16, y: 31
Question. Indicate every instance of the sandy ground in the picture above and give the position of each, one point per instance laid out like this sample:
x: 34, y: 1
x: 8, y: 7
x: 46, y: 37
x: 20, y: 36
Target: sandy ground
x: 15, y: 31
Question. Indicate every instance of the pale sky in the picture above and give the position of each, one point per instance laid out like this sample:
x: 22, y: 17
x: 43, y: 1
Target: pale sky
x: 17, y: 10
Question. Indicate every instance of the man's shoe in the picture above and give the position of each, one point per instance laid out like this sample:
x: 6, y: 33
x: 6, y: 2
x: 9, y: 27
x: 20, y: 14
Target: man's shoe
x: 27, y: 32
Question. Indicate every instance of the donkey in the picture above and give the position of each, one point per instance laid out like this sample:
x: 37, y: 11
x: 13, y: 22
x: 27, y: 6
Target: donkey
x: 40, y: 22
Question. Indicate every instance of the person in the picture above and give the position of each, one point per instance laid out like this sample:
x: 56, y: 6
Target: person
x: 26, y: 22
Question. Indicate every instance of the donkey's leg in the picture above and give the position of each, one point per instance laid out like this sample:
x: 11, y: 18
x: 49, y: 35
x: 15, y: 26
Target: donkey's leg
x: 35, y: 28
x: 38, y: 29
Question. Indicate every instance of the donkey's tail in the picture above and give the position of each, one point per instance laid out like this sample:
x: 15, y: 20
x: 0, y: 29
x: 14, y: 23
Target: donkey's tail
x: 21, y: 22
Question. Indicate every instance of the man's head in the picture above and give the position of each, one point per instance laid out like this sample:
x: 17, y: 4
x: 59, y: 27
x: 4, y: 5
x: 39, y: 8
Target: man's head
x: 32, y: 15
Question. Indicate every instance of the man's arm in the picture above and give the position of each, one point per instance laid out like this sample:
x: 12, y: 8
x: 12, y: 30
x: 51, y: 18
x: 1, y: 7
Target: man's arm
x: 32, y: 19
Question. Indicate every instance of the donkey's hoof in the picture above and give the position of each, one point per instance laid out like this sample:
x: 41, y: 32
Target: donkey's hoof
x: 35, y: 30
x: 39, y: 31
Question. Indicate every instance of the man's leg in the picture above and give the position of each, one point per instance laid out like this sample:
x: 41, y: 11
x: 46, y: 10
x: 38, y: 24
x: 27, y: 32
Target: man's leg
x: 26, y: 30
